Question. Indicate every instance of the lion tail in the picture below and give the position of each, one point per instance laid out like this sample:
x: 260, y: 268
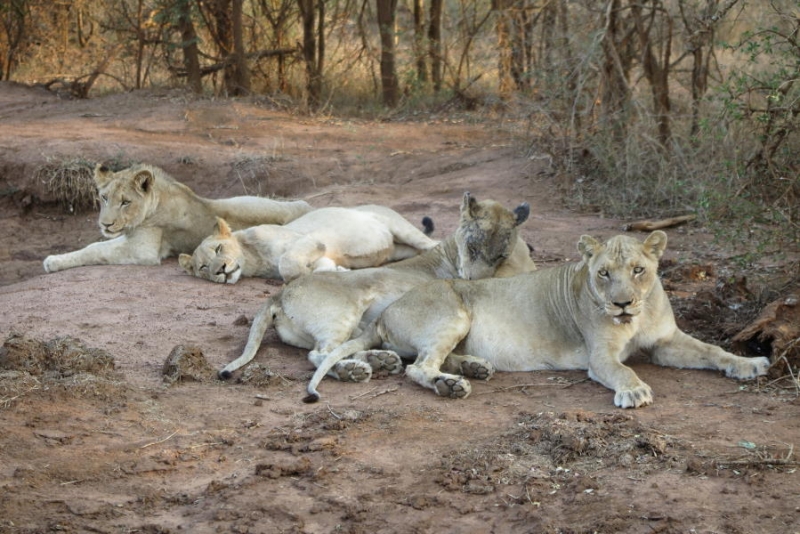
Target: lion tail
x: 261, y: 322
x: 369, y: 339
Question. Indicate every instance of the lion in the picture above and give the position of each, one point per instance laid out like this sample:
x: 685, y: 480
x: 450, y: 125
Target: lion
x: 589, y: 315
x: 148, y: 216
x: 326, y: 239
x: 323, y: 310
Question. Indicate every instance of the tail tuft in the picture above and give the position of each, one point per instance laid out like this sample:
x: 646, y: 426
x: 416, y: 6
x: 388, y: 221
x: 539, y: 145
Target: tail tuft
x: 311, y: 398
x: 224, y: 375
x: 427, y: 225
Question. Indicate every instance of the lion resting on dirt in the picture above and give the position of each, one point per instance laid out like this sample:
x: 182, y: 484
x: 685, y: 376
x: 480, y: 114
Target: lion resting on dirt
x: 588, y: 315
x: 323, y: 310
x: 326, y: 239
x: 149, y: 216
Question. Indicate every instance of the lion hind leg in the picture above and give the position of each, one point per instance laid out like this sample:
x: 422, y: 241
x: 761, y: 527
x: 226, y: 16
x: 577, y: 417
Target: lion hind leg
x: 468, y: 366
x: 335, y: 362
x: 687, y: 352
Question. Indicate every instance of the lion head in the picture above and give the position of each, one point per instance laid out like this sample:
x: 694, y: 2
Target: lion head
x: 622, y: 272
x: 486, y: 236
x: 219, y: 258
x: 126, y: 198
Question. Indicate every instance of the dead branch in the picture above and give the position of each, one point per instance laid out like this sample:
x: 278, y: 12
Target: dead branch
x: 210, y: 69
x: 648, y: 225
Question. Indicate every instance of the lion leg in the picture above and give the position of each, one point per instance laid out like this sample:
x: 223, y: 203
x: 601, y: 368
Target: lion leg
x: 469, y: 366
x: 143, y: 248
x: 605, y: 367
x: 687, y: 352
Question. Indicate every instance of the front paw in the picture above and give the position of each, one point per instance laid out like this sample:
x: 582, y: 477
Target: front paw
x: 52, y: 264
x: 635, y: 397
x: 747, y: 368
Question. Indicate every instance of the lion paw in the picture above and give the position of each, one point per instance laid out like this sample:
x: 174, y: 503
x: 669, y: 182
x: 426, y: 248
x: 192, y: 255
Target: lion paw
x: 385, y: 360
x: 352, y: 371
x: 477, y: 369
x: 51, y: 264
x: 453, y: 386
x: 634, y: 397
x: 747, y: 368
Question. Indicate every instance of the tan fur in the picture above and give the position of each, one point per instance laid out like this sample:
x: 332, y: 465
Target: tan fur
x: 148, y: 216
x: 589, y: 315
x: 323, y: 310
x: 326, y: 239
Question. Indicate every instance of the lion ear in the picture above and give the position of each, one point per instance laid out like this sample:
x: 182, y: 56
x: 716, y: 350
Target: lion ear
x: 523, y: 211
x: 102, y: 175
x: 588, y: 246
x: 144, y: 180
x: 221, y: 228
x: 468, y: 204
x: 185, y: 261
x: 656, y: 243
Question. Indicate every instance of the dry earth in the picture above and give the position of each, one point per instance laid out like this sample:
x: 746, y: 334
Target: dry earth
x: 95, y: 438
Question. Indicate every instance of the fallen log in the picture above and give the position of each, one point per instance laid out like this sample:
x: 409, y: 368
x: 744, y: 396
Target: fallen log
x: 648, y: 225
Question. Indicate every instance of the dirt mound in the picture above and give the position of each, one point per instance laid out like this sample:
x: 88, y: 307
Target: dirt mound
x: 186, y: 363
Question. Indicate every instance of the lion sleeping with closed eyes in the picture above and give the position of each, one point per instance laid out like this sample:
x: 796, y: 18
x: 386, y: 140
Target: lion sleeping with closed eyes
x: 326, y: 239
x: 588, y: 315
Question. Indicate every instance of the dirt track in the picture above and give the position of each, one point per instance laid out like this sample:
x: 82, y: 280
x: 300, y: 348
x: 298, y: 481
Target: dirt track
x: 121, y: 450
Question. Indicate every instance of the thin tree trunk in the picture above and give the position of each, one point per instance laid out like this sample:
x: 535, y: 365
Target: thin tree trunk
x: 419, y: 41
x: 241, y: 79
x: 435, y: 43
x: 506, y: 81
x: 313, y: 85
x: 389, y: 83
x: 191, y: 58
x: 657, y: 74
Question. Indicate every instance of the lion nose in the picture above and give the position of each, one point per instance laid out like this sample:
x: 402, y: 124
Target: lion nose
x: 623, y: 305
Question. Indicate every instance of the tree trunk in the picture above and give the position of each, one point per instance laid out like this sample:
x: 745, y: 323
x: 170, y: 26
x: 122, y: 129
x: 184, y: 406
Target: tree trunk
x: 505, y: 60
x: 614, y: 90
x: 419, y: 41
x: 241, y: 78
x: 657, y: 74
x: 223, y: 36
x: 191, y: 58
x: 389, y: 83
x: 435, y: 43
x: 313, y: 82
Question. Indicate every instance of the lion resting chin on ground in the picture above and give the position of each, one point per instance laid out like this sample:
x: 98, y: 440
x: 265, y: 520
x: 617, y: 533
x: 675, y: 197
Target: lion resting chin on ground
x: 323, y: 310
x: 326, y: 239
x: 148, y: 216
x: 588, y: 315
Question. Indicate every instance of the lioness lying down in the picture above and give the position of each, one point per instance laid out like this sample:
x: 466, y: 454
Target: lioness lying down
x: 323, y: 310
x: 326, y: 239
x: 588, y: 315
x: 148, y: 216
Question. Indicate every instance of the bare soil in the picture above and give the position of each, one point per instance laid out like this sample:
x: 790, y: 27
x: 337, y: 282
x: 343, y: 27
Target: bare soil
x: 111, y: 419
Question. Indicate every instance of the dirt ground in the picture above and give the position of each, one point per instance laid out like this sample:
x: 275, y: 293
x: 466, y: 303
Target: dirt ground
x: 94, y: 437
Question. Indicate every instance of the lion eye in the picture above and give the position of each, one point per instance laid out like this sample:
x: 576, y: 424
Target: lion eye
x: 218, y: 250
x: 125, y: 203
x: 203, y: 268
x: 602, y: 273
x: 638, y: 270
x: 105, y: 198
